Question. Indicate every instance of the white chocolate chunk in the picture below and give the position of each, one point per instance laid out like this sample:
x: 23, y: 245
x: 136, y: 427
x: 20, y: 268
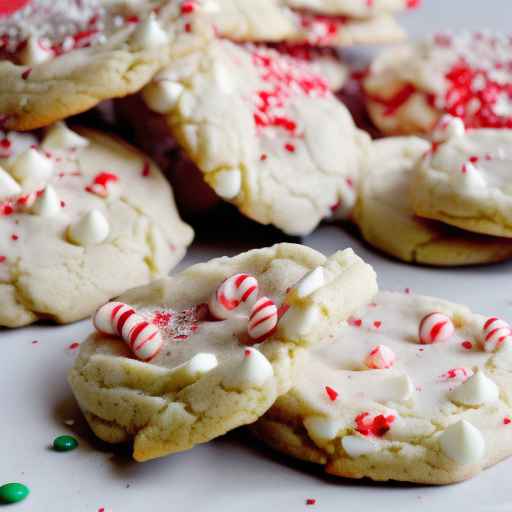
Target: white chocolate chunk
x: 162, y: 95
x: 469, y: 180
x: 8, y: 185
x: 321, y: 428
x: 253, y: 371
x: 149, y: 34
x: 47, y: 204
x: 32, y: 169
x: 310, y: 283
x: 35, y: 52
x: 228, y: 183
x: 298, y: 322
x: 447, y: 128
x: 356, y: 446
x: 477, y: 390
x: 463, y: 443
x: 59, y: 136
x: 91, y: 229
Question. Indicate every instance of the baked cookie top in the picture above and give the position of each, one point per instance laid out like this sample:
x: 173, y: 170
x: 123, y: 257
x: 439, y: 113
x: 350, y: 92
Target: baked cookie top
x: 467, y: 75
x: 249, y: 118
x: 354, y: 8
x: 386, y: 218
x: 413, y: 388
x: 277, y: 21
x: 196, y: 355
x: 83, y: 217
x: 465, y: 181
x: 62, y: 58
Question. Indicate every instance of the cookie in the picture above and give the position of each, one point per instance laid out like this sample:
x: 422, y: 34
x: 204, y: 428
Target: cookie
x: 386, y: 218
x: 409, y: 88
x: 409, y: 390
x: 62, y: 58
x: 196, y: 355
x: 353, y: 8
x: 83, y: 217
x: 274, y: 21
x: 249, y: 118
x: 465, y: 181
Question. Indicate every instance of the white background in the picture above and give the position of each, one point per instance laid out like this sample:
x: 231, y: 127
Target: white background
x: 234, y: 473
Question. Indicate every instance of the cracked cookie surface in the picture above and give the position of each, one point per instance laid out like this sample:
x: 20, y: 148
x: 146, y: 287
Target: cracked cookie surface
x: 60, y: 59
x: 431, y: 413
x: 83, y: 217
x: 386, y: 218
x: 249, y: 118
x: 172, y: 402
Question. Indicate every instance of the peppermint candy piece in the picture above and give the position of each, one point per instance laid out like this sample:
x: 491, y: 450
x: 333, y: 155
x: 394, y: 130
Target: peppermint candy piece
x: 495, y: 333
x: 233, y: 293
x: 380, y: 358
x: 435, y: 327
x: 263, y: 319
x: 143, y: 337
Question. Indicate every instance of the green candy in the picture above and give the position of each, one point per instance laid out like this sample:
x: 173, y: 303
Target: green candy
x: 64, y: 443
x: 13, y: 492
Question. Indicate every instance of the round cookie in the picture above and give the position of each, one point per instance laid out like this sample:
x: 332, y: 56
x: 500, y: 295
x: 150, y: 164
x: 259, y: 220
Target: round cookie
x: 386, y: 218
x: 249, y: 118
x: 410, y: 87
x: 377, y: 403
x: 62, y: 58
x: 465, y: 181
x: 212, y: 348
x: 353, y: 8
x: 83, y: 217
x: 273, y: 21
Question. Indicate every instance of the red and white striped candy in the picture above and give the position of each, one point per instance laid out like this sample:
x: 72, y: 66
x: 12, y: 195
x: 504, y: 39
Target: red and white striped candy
x: 380, y: 357
x: 143, y: 337
x: 496, y: 333
x: 232, y: 293
x: 435, y: 327
x: 263, y: 319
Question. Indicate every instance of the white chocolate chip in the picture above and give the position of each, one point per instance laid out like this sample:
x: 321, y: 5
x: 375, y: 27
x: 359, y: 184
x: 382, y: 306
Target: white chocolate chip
x: 477, y: 390
x: 463, y: 443
x: 161, y: 96
x: 149, y: 34
x: 469, y: 179
x: 321, y: 428
x: 253, y: 371
x: 228, y: 184
x: 447, y: 128
x: 32, y: 169
x: 35, y: 52
x: 310, y: 283
x: 8, y: 185
x: 298, y: 322
x: 47, y: 204
x: 356, y: 446
x: 59, y: 136
x: 91, y: 229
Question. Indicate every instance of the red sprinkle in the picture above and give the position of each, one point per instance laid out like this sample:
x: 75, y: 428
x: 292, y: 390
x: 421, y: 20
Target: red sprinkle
x: 247, y: 352
x: 14, y: 237
x: 311, y: 501
x: 26, y: 73
x: 467, y: 345
x: 507, y: 421
x: 2, y: 259
x: 331, y: 393
x: 74, y: 345
x: 376, y: 427
x: 377, y: 324
x: 355, y: 322
x: 289, y: 147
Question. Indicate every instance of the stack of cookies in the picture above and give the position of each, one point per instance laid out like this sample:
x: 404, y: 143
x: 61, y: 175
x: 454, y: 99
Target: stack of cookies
x: 238, y: 96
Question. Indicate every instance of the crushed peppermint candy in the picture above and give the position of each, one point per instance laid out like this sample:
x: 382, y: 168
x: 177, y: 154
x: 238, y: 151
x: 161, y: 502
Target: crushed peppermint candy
x: 377, y: 426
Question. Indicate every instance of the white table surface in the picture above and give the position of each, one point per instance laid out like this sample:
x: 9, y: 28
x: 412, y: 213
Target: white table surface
x: 233, y: 473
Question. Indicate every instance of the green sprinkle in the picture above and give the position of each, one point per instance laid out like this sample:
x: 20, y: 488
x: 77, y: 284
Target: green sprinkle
x: 64, y: 443
x: 13, y: 492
